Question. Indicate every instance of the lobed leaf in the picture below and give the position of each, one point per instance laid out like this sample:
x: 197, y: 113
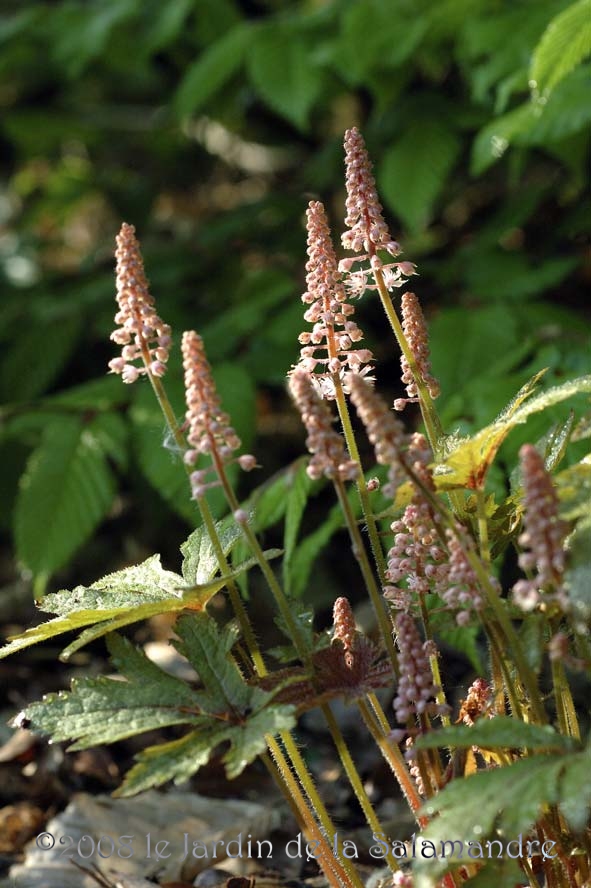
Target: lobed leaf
x: 104, y: 710
x: 506, y: 802
x: 177, y: 760
x: 127, y: 596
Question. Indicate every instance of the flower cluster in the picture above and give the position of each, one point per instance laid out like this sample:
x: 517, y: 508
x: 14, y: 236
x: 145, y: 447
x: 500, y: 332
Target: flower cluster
x: 478, y: 702
x: 383, y: 429
x: 416, y: 692
x: 416, y: 555
x: 415, y: 330
x: 334, y: 330
x: 366, y: 228
x: 141, y: 333
x: 323, y: 442
x: 542, y: 538
x: 413, y: 765
x: 344, y: 627
x: 209, y: 429
x: 459, y: 588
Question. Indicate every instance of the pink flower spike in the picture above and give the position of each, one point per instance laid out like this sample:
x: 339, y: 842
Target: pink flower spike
x: 323, y: 442
x: 326, y: 348
x: 364, y: 220
x: 416, y: 692
x: 209, y: 429
x: 384, y: 430
x: 415, y: 330
x: 542, y: 539
x: 140, y: 332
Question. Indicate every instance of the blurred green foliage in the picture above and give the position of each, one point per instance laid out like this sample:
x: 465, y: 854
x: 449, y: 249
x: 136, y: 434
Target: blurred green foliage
x: 209, y: 124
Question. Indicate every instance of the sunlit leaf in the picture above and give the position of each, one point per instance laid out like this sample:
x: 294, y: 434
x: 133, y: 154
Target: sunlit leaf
x: 127, y: 596
x: 564, y: 44
x: 469, y: 459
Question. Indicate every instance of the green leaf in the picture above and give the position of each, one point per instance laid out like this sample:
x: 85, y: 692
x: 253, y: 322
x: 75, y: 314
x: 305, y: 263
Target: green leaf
x: 268, y: 502
x: 65, y: 492
x: 298, y: 486
x: 238, y: 396
x: 578, y: 574
x: 23, y: 377
x: 498, y: 274
x: 180, y: 759
x: 280, y: 70
x: 413, y: 172
x: 574, y: 490
x: 464, y: 639
x: 158, y: 458
x: 127, y: 596
x: 104, y: 710
x: 212, y: 70
x: 575, y: 791
x: 484, y: 334
x: 552, y: 396
x: 556, y: 442
x: 248, y: 741
x: 390, y: 41
x: 80, y: 34
x: 470, y: 459
x: 206, y: 646
x: 165, y: 27
x: 567, y: 111
x: 100, y: 394
x: 200, y: 562
x: 564, y: 44
x: 499, y: 732
x: 505, y: 802
x: 310, y: 548
x: 177, y: 760
x: 194, y: 598
x: 492, y: 141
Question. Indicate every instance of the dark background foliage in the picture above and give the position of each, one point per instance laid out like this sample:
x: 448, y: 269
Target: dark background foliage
x: 209, y: 124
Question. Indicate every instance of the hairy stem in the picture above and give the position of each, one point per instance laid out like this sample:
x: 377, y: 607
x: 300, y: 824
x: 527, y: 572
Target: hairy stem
x: 300, y: 767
